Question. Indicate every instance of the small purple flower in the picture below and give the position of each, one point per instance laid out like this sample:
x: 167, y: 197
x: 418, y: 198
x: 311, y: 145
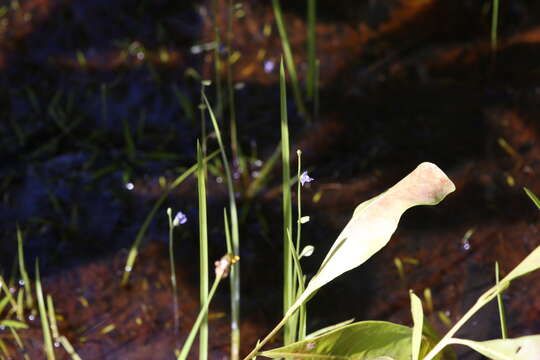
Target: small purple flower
x: 304, y: 178
x: 180, y: 219
x: 269, y: 66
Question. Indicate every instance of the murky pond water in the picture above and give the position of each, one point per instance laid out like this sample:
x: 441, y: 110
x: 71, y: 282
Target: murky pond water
x: 100, y: 110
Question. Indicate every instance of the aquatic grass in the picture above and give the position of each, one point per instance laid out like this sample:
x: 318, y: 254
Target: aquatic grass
x: 235, y: 239
x: 217, y: 61
x: 52, y: 318
x: 235, y: 148
x: 47, y: 338
x: 289, y: 292
x: 291, y: 67
x: 203, y: 251
x: 173, y: 274
x: 22, y: 270
x: 494, y: 24
x: 69, y: 348
x: 500, y: 305
x: 4, y: 285
x: 222, y: 269
x: 311, y: 48
x: 4, y: 349
x: 533, y: 197
x: 202, y: 109
x: 19, y: 343
x: 134, y: 250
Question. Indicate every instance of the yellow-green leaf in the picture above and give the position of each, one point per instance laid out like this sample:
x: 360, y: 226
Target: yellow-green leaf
x: 418, y: 320
x: 523, y: 348
x: 14, y: 324
x: 529, y: 264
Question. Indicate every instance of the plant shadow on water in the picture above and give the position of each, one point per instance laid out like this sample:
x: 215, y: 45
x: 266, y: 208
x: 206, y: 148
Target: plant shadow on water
x: 93, y: 101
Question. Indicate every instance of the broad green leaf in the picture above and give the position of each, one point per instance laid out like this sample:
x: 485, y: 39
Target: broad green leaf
x: 375, y: 220
x: 327, y: 329
x: 418, y: 320
x: 361, y: 340
x: 14, y: 324
x: 523, y: 348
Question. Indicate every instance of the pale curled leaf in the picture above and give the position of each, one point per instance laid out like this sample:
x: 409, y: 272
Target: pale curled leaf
x: 375, y: 220
x: 523, y: 348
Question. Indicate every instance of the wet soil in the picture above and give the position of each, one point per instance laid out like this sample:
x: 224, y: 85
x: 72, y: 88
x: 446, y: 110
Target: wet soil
x: 401, y: 83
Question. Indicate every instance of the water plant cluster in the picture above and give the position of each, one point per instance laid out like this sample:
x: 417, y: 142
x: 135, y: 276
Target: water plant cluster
x: 370, y: 228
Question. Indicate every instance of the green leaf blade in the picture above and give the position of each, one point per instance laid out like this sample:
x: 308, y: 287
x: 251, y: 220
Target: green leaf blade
x: 359, y: 341
x: 418, y: 320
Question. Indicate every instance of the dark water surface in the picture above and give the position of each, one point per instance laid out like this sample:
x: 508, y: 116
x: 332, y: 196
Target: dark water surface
x: 99, y: 100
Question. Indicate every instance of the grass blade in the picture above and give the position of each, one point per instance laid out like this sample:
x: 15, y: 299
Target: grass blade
x: 173, y: 274
x: 533, y: 197
x: 203, y: 251
x: 494, y: 24
x: 47, y: 338
x: 202, y: 314
x: 235, y: 271
x: 69, y: 348
x: 22, y: 270
x: 288, y: 285
x: 502, y: 317
x: 289, y: 58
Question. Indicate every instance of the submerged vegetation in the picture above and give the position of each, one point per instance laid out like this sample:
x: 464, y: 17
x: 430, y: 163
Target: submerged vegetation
x: 29, y: 317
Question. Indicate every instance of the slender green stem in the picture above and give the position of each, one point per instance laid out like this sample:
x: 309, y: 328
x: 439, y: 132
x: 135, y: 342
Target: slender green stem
x: 302, y: 312
x: 202, y: 108
x: 235, y: 271
x: 298, y: 202
x: 494, y: 24
x: 202, y: 315
x: 289, y: 59
x: 173, y: 275
x: 47, y: 338
x: 230, y: 88
x: 52, y: 318
x: 288, y: 283
x: 22, y: 269
x: 268, y: 337
x: 203, y: 252
x: 217, y: 61
x: 502, y: 317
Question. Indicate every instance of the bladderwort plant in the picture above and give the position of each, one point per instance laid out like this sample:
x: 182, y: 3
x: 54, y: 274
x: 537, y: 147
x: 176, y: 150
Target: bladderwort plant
x: 179, y: 219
